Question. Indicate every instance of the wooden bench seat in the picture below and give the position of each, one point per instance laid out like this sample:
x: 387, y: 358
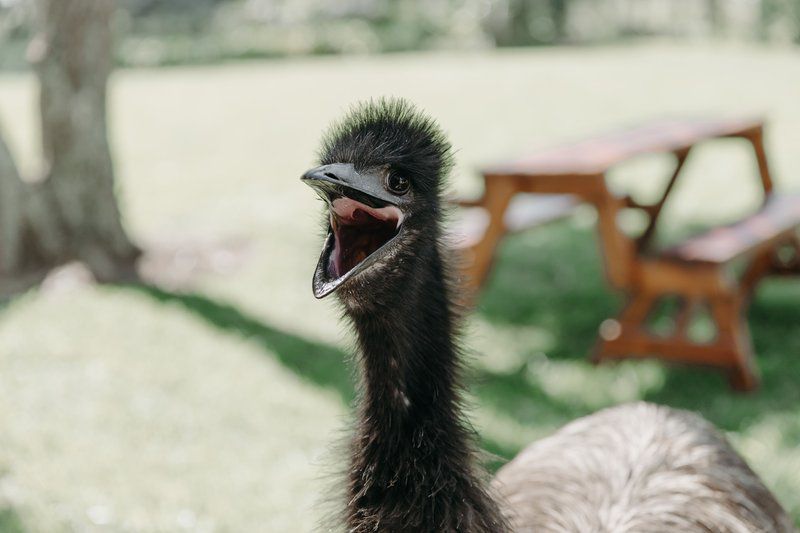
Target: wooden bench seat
x: 525, y: 211
x: 695, y: 271
x: 776, y: 221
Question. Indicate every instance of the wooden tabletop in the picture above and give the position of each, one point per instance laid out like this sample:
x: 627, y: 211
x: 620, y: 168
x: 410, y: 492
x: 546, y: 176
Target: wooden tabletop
x: 594, y: 156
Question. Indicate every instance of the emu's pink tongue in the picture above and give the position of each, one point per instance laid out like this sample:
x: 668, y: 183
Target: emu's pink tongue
x: 359, y: 230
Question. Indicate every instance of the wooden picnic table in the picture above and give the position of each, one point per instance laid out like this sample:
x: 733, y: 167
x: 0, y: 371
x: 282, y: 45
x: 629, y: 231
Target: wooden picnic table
x: 696, y: 271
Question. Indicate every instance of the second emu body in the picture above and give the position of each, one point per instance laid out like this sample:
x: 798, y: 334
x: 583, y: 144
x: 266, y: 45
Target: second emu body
x: 413, y: 460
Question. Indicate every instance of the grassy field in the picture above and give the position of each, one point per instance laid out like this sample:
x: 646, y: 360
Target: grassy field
x: 211, y: 407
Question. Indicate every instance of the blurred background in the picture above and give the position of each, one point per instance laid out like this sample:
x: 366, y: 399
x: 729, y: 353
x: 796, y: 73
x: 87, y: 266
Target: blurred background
x: 179, y: 32
x: 204, y: 393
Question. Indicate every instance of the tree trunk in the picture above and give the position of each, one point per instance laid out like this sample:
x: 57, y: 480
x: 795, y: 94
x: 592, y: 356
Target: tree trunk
x: 559, y: 15
x: 70, y: 212
x: 11, y: 196
x: 716, y: 17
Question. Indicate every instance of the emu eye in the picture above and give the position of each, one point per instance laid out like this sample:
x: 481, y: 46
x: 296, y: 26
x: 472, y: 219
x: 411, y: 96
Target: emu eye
x: 397, y: 184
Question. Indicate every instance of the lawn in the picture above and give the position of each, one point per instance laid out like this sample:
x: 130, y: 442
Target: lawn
x: 211, y: 405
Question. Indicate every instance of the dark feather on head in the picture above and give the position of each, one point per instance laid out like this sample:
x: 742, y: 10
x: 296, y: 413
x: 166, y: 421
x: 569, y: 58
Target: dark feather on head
x: 391, y: 132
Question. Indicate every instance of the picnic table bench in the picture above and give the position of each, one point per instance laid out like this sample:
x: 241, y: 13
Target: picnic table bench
x: 696, y: 271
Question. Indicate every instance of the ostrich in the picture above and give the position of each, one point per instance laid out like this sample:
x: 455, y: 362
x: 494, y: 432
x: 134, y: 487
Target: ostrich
x: 413, y: 458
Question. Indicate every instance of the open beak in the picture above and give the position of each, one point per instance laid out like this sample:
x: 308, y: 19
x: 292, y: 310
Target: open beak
x: 363, y: 220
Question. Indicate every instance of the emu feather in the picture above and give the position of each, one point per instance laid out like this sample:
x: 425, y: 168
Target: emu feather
x: 413, y: 460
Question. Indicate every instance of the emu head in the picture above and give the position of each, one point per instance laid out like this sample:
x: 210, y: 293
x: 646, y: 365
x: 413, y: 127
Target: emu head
x: 381, y: 177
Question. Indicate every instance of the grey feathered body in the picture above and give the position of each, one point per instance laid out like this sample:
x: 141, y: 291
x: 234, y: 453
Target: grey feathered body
x: 639, y: 468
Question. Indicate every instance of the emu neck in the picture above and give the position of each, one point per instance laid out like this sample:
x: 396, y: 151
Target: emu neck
x: 408, y: 357
x: 413, y: 457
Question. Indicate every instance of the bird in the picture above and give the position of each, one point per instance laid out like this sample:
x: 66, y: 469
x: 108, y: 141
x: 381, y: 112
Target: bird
x: 413, y: 460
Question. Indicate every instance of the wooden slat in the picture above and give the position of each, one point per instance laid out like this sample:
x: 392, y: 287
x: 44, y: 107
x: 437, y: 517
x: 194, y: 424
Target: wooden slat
x: 779, y: 216
x: 596, y: 155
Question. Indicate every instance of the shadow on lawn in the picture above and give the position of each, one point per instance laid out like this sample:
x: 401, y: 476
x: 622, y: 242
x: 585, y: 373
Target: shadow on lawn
x: 10, y: 522
x: 320, y: 363
x: 553, y: 279
x: 327, y: 366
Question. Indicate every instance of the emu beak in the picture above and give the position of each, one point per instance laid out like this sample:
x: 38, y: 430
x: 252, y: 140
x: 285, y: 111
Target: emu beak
x: 363, y: 220
x: 339, y: 176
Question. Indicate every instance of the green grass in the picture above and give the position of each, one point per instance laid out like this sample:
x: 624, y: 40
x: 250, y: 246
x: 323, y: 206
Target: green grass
x: 213, y: 408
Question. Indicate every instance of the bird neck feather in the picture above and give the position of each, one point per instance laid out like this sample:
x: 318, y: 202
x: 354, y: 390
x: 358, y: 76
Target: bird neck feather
x: 413, y: 465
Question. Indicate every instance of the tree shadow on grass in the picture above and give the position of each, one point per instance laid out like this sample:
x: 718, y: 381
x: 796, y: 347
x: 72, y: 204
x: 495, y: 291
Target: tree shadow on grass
x: 10, y: 522
x: 320, y: 363
x: 326, y: 366
x: 553, y: 279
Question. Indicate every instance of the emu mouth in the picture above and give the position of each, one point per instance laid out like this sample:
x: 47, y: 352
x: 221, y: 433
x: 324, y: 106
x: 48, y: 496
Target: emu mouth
x: 360, y: 230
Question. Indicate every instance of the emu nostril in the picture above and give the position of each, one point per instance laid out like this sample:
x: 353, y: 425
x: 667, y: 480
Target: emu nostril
x: 331, y: 175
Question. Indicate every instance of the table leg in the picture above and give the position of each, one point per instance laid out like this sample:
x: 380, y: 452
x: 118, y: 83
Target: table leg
x: 496, y: 199
x: 756, y: 138
x: 655, y: 210
x: 733, y: 335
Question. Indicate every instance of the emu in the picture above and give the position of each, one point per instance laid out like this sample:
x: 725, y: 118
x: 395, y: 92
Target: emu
x: 413, y: 458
